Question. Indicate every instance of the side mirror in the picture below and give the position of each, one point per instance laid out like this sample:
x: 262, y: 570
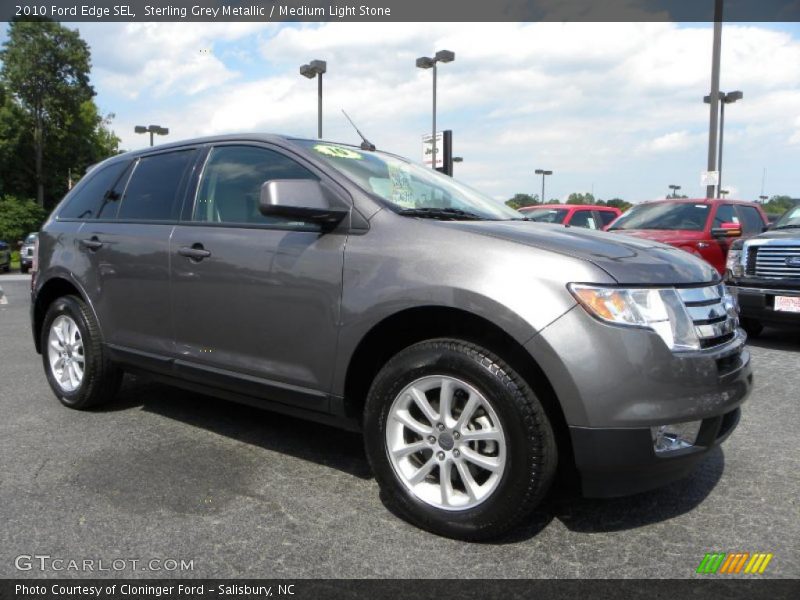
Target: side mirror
x: 302, y: 199
x: 727, y: 230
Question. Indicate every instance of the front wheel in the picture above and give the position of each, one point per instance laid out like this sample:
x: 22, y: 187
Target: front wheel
x: 458, y: 441
x: 77, y: 368
x: 23, y: 269
x: 752, y: 327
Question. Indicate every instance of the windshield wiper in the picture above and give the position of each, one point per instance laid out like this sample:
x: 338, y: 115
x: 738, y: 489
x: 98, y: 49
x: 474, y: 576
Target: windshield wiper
x: 453, y: 214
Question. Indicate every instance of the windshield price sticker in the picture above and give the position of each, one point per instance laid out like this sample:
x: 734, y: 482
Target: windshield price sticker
x: 337, y: 152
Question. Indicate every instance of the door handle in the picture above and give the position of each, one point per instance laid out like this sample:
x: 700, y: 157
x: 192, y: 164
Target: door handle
x: 92, y: 243
x: 195, y: 252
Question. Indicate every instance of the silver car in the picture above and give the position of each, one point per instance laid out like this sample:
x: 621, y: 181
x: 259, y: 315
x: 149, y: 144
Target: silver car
x: 479, y: 353
x: 26, y: 253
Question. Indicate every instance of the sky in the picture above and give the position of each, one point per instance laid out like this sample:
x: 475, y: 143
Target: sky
x: 611, y: 108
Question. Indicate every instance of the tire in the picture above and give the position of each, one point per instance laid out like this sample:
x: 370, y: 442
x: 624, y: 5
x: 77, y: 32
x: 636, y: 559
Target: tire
x: 69, y: 319
x: 23, y: 269
x: 6, y: 268
x: 752, y: 327
x: 522, y: 443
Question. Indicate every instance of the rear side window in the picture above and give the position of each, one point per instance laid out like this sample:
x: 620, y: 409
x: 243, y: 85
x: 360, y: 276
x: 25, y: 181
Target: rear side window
x: 88, y: 199
x: 152, y: 192
x: 606, y: 216
x: 752, y: 223
x: 230, y: 188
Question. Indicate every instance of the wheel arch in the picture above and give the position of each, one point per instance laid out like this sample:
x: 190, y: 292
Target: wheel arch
x: 413, y: 325
x: 51, y: 290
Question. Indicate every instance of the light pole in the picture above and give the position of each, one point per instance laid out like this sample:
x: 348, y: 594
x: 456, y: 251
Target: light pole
x: 763, y: 198
x: 426, y: 62
x: 458, y: 159
x: 714, y: 96
x: 724, y: 99
x: 674, y: 189
x: 315, y: 69
x: 544, y: 174
x: 151, y: 129
x: 723, y: 193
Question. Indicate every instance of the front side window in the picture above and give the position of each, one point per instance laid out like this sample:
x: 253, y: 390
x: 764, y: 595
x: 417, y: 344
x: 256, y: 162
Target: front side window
x: 725, y: 214
x: 606, y: 216
x: 152, y: 192
x: 752, y: 223
x: 672, y: 216
x: 88, y: 199
x: 583, y: 218
x: 790, y: 219
x: 230, y: 187
x: 547, y: 215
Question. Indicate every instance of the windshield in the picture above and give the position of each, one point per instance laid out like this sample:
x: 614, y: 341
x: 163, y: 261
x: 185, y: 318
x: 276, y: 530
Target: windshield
x: 407, y: 186
x: 664, y: 215
x: 546, y: 215
x: 791, y: 218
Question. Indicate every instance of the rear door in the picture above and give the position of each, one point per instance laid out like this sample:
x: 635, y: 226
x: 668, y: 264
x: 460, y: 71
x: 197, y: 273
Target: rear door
x: 128, y: 249
x: 584, y: 217
x: 257, y: 310
x: 752, y: 222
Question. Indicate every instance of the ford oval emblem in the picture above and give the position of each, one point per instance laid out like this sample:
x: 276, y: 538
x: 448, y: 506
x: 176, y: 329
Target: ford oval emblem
x: 793, y: 261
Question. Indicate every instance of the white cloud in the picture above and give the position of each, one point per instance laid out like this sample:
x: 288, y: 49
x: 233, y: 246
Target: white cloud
x: 617, y: 104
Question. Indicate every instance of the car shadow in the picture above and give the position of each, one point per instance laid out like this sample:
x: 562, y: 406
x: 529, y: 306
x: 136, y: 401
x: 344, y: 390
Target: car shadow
x: 306, y: 440
x: 344, y: 451
x: 777, y: 338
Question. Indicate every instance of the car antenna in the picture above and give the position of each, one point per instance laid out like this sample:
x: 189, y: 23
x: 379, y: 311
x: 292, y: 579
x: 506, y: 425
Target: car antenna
x: 365, y: 143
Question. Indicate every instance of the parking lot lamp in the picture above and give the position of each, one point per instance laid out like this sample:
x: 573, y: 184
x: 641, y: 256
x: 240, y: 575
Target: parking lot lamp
x: 674, y: 189
x: 151, y: 129
x: 544, y: 174
x: 426, y: 62
x: 315, y: 69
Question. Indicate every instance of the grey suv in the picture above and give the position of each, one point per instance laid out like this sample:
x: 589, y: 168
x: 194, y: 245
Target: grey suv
x: 477, y: 353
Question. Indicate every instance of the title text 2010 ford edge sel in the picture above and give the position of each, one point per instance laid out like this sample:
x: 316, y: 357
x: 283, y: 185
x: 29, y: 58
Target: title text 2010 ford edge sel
x: 476, y: 352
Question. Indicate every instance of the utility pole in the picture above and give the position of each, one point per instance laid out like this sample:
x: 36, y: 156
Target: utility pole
x: 714, y: 96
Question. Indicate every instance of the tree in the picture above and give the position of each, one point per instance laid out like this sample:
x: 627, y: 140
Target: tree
x: 19, y: 217
x: 777, y: 205
x: 576, y: 198
x: 46, y: 71
x: 619, y: 203
x: 520, y: 200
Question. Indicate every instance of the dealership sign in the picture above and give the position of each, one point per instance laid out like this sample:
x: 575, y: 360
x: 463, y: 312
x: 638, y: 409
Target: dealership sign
x: 427, y: 149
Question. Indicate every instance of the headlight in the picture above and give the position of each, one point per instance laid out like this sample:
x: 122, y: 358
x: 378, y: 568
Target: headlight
x: 658, y: 309
x: 734, y: 262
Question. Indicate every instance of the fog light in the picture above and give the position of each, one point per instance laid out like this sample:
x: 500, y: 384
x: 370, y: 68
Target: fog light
x: 676, y: 436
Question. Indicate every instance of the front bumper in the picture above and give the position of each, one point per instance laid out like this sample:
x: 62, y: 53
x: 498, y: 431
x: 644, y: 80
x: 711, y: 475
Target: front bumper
x: 758, y: 303
x: 614, y: 383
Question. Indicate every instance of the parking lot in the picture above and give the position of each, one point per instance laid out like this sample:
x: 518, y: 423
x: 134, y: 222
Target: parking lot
x: 167, y: 474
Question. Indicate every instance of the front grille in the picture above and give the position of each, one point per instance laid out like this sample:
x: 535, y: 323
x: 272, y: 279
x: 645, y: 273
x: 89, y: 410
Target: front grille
x: 774, y: 261
x: 714, y: 319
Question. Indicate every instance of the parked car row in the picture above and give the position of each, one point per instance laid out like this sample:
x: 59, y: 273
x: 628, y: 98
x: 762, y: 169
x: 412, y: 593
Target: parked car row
x: 25, y: 254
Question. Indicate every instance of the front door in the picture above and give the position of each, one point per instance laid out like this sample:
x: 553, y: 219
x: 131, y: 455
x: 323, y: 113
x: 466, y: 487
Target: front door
x: 256, y: 299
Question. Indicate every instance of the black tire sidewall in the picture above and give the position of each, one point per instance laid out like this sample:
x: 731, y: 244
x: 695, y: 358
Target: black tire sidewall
x: 443, y: 357
x: 68, y: 305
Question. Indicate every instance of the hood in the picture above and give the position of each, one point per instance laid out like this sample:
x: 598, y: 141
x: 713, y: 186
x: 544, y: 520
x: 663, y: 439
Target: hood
x: 665, y: 236
x: 780, y: 234
x: 627, y: 259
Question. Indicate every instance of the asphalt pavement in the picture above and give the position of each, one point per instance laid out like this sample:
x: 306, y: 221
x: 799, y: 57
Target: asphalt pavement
x: 162, y: 474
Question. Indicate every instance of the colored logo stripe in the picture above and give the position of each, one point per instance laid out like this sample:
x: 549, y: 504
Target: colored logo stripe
x: 720, y: 562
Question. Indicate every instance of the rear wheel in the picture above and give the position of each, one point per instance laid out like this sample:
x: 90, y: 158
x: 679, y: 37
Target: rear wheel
x: 75, y: 362
x: 458, y: 441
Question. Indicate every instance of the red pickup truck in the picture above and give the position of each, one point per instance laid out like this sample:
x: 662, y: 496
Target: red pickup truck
x: 589, y: 216
x: 703, y: 227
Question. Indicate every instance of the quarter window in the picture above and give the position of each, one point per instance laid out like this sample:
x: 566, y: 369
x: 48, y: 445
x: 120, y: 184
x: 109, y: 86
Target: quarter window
x: 230, y: 187
x: 152, y: 192
x: 583, y: 218
x: 89, y: 198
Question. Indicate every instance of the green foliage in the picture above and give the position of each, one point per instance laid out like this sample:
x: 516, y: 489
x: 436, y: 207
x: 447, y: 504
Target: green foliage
x: 619, y: 203
x: 575, y: 198
x: 520, y: 200
x: 777, y: 205
x: 19, y: 217
x: 49, y: 124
